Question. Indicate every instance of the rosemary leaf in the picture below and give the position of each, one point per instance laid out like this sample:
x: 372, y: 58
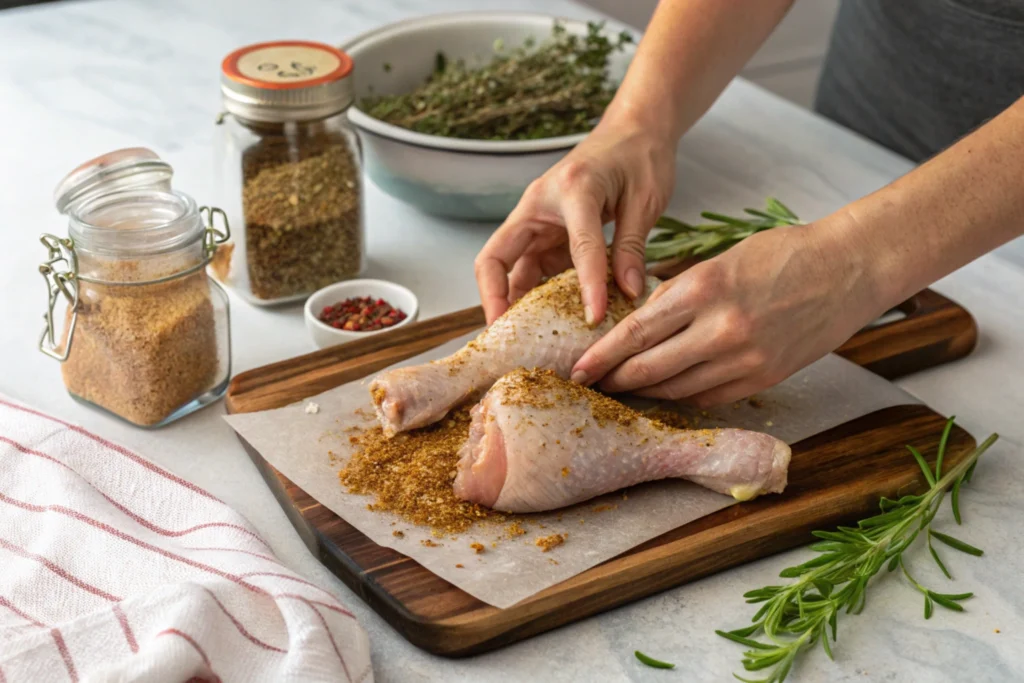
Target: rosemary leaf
x: 732, y: 635
x: 954, y: 500
x: 958, y: 544
x: 942, y: 446
x: 924, y: 465
x: 652, y: 662
x: 946, y: 602
x: 935, y: 556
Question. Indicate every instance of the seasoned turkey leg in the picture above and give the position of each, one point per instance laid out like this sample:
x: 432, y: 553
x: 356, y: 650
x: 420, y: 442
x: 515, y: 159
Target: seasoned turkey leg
x: 544, y: 329
x: 538, y: 442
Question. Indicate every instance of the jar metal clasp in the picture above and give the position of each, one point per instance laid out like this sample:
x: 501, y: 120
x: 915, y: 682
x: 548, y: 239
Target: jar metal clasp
x: 214, y: 236
x: 60, y: 270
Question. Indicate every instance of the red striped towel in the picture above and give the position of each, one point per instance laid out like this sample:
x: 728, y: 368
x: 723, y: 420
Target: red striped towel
x: 113, y: 569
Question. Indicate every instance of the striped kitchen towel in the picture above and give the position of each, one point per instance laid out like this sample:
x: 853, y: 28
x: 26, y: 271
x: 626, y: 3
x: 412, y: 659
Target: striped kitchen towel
x: 113, y: 569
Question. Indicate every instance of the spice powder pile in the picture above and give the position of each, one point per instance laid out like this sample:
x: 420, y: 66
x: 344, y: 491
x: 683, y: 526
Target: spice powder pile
x: 411, y: 474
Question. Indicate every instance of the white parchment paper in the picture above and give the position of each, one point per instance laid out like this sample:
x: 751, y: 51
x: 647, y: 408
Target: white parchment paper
x: 297, y: 442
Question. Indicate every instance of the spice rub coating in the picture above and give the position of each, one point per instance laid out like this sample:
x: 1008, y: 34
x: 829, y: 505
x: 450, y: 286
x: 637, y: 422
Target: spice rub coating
x: 546, y: 328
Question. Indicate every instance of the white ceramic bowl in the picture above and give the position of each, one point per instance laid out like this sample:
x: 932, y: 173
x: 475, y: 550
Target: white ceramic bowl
x: 456, y: 178
x: 324, y: 335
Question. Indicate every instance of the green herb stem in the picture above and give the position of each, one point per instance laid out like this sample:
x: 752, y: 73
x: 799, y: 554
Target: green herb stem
x: 673, y: 238
x: 796, y: 616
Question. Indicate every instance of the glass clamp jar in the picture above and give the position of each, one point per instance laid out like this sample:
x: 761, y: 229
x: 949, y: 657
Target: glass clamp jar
x: 289, y: 171
x: 146, y: 333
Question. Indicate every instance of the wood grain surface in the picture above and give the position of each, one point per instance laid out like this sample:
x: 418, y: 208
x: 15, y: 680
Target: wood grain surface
x: 835, y: 477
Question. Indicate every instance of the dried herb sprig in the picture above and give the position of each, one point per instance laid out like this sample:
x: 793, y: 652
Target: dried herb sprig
x: 673, y: 238
x: 797, y: 616
x: 559, y: 87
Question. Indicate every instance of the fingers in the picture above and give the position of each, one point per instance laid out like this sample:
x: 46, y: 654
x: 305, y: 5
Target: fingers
x: 697, y: 380
x: 661, y: 364
x: 525, y: 275
x: 729, y: 392
x: 582, y: 217
x: 532, y: 267
x: 555, y: 261
x: 629, y: 244
x: 647, y: 326
x: 496, y: 260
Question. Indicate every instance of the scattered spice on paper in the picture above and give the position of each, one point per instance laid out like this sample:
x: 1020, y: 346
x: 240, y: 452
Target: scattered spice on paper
x: 546, y: 543
x: 514, y: 529
x: 409, y: 474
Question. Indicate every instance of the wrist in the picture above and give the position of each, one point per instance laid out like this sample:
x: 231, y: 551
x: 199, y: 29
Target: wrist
x: 857, y: 266
x: 654, y: 116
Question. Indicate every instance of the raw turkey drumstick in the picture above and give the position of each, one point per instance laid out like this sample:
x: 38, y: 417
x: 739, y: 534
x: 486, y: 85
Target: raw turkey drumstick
x: 539, y: 442
x: 544, y: 329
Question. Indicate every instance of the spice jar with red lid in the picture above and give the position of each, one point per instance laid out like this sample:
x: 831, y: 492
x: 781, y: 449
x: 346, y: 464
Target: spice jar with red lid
x: 139, y: 328
x: 289, y: 171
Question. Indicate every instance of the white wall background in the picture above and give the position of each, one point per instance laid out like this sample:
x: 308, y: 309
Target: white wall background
x: 788, y: 63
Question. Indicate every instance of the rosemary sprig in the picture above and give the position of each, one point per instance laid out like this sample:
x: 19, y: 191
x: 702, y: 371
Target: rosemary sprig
x: 673, y: 238
x: 799, y: 615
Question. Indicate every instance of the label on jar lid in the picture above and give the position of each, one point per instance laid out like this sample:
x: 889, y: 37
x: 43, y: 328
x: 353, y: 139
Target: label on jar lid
x: 287, y: 64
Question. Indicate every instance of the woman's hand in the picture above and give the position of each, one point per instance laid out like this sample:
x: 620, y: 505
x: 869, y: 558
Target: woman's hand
x: 623, y: 171
x: 742, y: 321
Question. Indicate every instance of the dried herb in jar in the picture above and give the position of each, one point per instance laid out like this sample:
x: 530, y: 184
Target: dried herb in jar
x: 560, y: 87
x: 143, y: 349
x: 302, y: 210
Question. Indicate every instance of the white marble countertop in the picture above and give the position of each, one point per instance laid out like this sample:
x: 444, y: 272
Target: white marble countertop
x: 83, y: 78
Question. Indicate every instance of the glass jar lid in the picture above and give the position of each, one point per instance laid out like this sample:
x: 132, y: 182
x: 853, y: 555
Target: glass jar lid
x: 287, y: 80
x: 123, y: 169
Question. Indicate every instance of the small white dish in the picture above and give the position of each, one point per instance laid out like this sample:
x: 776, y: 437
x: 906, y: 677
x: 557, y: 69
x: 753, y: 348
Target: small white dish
x: 324, y: 335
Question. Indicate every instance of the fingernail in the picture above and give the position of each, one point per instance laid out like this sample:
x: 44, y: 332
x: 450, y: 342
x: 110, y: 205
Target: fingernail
x: 588, y: 315
x: 634, y: 283
x: 579, y: 377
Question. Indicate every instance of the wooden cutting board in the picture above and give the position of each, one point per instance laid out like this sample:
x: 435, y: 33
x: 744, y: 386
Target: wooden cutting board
x: 835, y: 477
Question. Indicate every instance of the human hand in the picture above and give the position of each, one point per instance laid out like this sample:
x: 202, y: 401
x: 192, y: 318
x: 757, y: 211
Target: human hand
x: 740, y: 322
x: 621, y: 171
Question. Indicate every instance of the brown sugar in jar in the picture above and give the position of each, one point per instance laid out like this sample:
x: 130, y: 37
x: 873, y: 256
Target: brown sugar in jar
x: 145, y: 334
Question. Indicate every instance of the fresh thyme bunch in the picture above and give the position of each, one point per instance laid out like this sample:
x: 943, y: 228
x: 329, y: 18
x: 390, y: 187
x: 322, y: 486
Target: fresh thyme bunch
x: 675, y: 239
x: 559, y: 87
x: 799, y: 615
